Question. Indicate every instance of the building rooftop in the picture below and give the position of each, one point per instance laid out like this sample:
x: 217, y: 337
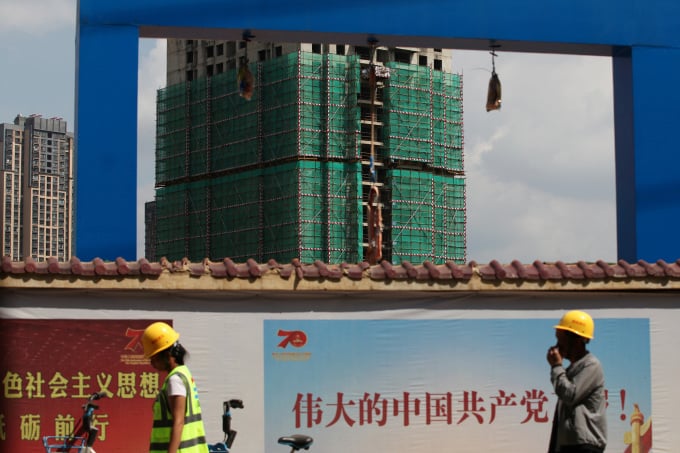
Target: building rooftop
x: 251, y: 275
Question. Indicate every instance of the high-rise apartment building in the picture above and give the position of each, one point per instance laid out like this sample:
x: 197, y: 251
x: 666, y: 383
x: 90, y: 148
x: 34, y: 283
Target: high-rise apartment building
x: 37, y: 188
x: 343, y: 153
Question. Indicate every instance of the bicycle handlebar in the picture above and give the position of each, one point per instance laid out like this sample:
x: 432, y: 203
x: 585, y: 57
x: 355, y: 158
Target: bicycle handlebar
x: 229, y: 434
x: 97, y: 396
x: 89, y: 407
x: 83, y: 434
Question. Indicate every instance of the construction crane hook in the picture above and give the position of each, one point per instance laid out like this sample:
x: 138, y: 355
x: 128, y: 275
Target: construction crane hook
x: 493, y: 94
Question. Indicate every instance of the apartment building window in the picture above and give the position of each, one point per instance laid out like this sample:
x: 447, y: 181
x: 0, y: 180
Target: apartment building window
x: 190, y: 75
x: 340, y: 49
x: 261, y: 55
x: 278, y: 51
x: 231, y: 49
x: 422, y: 60
x: 363, y: 52
x: 437, y: 64
x: 209, y: 70
x: 219, y: 50
x: 190, y: 57
x: 402, y: 56
x: 316, y: 48
x: 220, y: 68
x: 210, y: 52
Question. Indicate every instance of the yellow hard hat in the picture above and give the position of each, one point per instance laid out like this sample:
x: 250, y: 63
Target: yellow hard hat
x: 157, y: 337
x: 578, y: 322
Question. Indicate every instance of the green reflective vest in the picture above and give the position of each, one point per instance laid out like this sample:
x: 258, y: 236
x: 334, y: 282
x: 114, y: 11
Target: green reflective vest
x: 193, y: 434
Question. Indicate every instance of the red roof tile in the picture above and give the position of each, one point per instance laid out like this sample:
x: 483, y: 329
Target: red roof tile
x: 516, y: 271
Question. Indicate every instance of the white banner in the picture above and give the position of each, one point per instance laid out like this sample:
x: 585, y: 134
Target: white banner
x: 419, y: 371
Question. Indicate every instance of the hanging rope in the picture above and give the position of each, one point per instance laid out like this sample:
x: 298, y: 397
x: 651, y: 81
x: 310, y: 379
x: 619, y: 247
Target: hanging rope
x: 493, y: 94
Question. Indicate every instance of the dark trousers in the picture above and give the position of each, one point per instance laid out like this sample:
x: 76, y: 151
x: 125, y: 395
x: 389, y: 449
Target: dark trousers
x: 583, y: 448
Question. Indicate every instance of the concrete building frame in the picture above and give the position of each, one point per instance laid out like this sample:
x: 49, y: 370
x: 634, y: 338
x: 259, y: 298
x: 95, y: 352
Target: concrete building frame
x: 640, y: 36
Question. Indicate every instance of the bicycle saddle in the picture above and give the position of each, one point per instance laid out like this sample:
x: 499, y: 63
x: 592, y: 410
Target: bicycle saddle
x: 297, y: 441
x: 215, y: 448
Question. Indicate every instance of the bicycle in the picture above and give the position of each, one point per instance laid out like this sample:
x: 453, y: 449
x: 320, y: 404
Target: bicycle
x: 84, y: 434
x: 229, y: 434
x: 296, y: 442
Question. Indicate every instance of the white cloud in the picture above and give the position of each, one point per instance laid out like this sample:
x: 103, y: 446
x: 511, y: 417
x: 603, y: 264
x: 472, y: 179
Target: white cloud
x: 36, y: 17
x: 559, y: 114
x: 474, y: 158
x: 151, y: 77
x: 540, y: 172
x: 151, y: 74
x: 511, y: 220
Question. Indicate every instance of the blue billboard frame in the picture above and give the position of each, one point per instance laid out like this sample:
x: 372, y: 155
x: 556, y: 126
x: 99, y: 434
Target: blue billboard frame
x: 640, y: 35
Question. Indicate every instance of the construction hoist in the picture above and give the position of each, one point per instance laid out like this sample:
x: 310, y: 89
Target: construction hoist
x: 245, y: 77
x: 374, y: 209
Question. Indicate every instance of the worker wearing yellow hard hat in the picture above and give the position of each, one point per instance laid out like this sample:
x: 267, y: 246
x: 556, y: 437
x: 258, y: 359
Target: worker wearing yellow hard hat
x: 177, y: 421
x: 580, y: 422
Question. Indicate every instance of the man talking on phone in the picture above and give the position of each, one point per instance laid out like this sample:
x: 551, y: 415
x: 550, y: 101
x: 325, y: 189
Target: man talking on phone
x: 580, y: 422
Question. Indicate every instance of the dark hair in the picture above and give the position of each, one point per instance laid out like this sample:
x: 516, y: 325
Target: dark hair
x: 573, y: 336
x: 178, y: 352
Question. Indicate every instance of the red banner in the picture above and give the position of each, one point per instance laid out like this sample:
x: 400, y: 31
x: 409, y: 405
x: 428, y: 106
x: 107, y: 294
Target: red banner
x: 48, y: 369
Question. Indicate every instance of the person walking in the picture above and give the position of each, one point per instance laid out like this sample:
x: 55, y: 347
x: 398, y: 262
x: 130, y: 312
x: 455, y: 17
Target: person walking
x: 580, y: 421
x: 177, y: 422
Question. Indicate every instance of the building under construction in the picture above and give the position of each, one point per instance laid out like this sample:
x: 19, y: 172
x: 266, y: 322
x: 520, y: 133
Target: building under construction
x: 337, y: 156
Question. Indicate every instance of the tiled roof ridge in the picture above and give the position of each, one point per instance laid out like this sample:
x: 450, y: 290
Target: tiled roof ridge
x: 514, y: 271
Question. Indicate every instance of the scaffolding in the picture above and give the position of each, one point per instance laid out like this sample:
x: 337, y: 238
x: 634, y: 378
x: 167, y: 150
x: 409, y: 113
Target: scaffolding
x: 428, y: 216
x: 312, y: 211
x: 420, y: 169
x: 304, y: 107
x: 277, y: 177
x: 303, y: 209
x: 284, y: 175
x: 423, y: 117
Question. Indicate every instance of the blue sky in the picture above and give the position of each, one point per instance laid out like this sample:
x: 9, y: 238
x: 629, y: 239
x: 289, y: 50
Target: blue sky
x: 540, y: 172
